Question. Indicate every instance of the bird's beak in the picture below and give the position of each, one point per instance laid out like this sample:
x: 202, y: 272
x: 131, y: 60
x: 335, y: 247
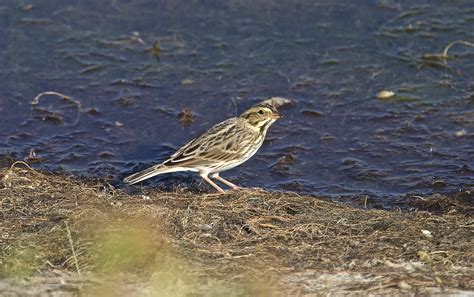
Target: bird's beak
x: 276, y: 116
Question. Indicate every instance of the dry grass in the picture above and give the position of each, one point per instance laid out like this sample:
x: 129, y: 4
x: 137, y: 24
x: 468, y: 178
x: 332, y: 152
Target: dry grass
x: 181, y: 243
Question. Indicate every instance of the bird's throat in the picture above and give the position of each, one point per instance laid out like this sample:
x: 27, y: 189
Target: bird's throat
x: 266, y: 125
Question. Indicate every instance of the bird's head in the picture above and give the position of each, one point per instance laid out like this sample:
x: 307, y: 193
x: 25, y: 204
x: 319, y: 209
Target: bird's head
x: 261, y: 116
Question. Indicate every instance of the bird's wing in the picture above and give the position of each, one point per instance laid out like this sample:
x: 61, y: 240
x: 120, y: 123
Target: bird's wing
x: 222, y: 139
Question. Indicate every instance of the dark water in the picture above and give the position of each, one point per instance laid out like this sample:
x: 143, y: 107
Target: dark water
x: 215, y: 59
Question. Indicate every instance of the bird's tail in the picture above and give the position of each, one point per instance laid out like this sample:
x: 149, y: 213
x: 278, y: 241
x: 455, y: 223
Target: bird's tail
x: 147, y: 173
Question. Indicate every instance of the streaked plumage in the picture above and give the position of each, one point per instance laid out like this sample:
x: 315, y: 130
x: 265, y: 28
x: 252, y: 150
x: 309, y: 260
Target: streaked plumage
x: 222, y: 147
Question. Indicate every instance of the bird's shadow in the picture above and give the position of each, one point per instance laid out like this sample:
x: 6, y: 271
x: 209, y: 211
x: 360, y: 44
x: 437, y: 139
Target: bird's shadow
x: 169, y: 182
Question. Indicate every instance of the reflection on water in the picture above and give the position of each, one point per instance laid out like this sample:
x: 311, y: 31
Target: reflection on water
x: 136, y: 68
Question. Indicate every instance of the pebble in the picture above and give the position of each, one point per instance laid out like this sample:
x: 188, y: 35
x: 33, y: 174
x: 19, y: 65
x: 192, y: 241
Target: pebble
x: 385, y: 95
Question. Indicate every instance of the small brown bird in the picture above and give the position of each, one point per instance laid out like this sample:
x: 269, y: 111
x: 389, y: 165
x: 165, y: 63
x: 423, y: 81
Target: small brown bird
x: 222, y: 147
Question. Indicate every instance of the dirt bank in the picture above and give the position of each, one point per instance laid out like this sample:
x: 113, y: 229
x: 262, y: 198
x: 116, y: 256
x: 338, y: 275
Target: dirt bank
x: 63, y: 236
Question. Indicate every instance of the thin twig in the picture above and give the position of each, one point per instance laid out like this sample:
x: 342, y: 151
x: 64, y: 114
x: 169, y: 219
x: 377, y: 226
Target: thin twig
x: 74, y: 102
x: 27, y: 166
x: 446, y: 49
x: 20, y: 162
x: 35, y: 100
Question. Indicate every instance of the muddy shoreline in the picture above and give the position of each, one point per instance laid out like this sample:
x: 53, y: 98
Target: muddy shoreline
x: 62, y: 237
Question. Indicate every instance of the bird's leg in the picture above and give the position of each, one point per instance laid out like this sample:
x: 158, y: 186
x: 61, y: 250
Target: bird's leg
x: 204, y: 176
x: 219, y: 178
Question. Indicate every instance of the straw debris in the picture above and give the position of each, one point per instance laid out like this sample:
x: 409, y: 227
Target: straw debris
x: 222, y: 244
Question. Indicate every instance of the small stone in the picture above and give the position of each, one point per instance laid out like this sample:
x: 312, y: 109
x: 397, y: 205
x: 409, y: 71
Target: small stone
x: 187, y: 81
x: 427, y: 234
x: 385, y: 95
x: 93, y: 111
x: 278, y: 101
x: 460, y: 133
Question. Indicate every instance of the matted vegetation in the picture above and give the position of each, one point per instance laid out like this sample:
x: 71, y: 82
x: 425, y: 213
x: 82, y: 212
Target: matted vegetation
x: 67, y: 236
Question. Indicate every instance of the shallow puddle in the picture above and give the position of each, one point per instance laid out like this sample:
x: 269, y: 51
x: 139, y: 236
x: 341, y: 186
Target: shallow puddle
x: 144, y: 77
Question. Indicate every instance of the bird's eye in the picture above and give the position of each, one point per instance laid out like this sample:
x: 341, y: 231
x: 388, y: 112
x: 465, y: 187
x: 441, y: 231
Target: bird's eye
x: 260, y: 112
